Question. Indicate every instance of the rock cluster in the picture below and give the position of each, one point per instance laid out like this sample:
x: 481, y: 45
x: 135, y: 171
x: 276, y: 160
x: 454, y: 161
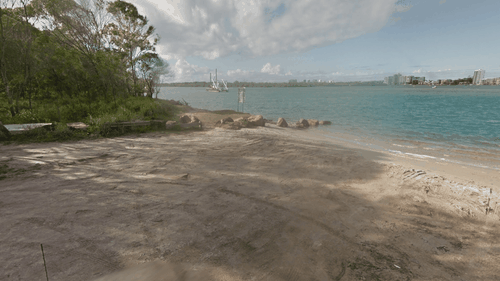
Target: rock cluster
x: 241, y: 122
x: 303, y: 123
x: 186, y: 121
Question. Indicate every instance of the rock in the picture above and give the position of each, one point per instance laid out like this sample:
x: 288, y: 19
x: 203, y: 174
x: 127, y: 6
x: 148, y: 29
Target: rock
x: 186, y: 119
x: 256, y: 120
x: 175, y: 102
x: 325, y: 122
x: 302, y: 124
x: 282, y: 122
x: 4, y: 133
x: 224, y: 121
x: 190, y: 121
x: 194, y: 119
x: 313, y: 122
x: 241, y: 119
x: 170, y: 124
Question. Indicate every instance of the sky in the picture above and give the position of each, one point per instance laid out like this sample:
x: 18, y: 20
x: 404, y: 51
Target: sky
x: 339, y: 40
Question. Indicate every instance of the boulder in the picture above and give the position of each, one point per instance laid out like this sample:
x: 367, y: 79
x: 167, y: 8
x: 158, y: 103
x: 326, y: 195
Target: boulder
x: 232, y: 125
x: 282, y: 122
x: 186, y: 119
x: 4, y: 133
x: 313, y: 122
x: 194, y: 119
x: 170, y: 124
x: 325, y: 122
x: 302, y: 123
x: 240, y: 119
x: 224, y: 121
x: 256, y: 120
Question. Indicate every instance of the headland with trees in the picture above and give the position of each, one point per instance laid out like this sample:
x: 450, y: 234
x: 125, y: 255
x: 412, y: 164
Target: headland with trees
x: 78, y: 61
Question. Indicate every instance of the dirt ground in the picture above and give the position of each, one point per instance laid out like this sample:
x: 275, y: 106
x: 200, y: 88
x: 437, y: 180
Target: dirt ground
x: 253, y: 204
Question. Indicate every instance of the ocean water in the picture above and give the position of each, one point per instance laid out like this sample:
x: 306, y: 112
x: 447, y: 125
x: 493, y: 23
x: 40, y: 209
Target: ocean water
x: 450, y: 123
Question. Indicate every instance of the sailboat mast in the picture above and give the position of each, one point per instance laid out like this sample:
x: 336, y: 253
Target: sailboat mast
x: 216, y: 75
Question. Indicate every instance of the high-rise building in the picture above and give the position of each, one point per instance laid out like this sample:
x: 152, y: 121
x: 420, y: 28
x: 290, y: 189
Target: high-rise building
x: 478, y: 77
x: 396, y: 78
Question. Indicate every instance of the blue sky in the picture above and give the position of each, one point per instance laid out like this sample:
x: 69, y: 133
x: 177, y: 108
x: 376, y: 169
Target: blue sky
x: 340, y: 40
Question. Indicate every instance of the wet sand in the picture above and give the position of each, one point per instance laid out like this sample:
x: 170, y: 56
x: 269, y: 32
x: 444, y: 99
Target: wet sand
x: 254, y: 204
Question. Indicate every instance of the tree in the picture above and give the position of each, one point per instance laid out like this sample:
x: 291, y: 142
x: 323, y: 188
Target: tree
x: 7, y: 52
x: 130, y: 35
x: 152, y: 68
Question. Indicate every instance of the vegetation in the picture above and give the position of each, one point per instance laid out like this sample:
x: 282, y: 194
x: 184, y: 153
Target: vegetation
x: 86, y: 61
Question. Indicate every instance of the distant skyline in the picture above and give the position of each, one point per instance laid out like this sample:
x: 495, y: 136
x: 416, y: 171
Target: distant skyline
x: 274, y: 41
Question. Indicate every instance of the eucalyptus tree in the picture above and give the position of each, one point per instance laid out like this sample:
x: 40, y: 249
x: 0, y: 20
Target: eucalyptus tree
x: 152, y: 69
x: 130, y: 35
x: 7, y: 50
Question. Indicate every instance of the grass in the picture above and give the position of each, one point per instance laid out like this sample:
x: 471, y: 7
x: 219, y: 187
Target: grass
x: 125, y: 110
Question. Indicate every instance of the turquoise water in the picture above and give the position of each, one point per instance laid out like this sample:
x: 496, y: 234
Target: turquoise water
x: 460, y: 122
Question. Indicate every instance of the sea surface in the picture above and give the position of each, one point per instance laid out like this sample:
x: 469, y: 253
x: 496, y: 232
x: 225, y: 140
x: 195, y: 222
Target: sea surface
x: 449, y: 123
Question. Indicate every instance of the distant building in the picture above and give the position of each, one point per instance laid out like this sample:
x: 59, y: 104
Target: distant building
x: 292, y: 81
x: 305, y: 81
x: 477, y: 79
x: 396, y: 78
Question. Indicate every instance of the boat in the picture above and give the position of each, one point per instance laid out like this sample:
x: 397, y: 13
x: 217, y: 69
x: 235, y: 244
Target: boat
x: 215, y: 87
x: 224, y: 86
x: 434, y: 87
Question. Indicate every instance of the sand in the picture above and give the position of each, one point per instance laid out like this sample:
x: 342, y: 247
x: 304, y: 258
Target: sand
x: 255, y: 204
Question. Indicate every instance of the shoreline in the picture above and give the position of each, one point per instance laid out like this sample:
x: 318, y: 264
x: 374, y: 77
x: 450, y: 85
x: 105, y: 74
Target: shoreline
x: 267, y: 203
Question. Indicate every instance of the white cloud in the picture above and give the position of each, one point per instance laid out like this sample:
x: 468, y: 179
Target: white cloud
x: 268, y: 68
x: 403, y: 8
x: 442, y: 2
x: 289, y: 73
x: 184, y: 71
x: 213, y: 29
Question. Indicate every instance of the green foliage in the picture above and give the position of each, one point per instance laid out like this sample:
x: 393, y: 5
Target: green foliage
x: 81, y: 67
x: 131, y: 109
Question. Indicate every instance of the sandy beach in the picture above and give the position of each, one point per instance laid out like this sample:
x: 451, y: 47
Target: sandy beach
x: 265, y: 203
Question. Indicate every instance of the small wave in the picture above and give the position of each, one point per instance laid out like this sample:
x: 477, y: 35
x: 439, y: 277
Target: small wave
x: 493, y: 121
x: 420, y: 155
x: 406, y: 146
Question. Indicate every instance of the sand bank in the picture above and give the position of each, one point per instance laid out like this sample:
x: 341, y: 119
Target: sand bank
x: 253, y: 204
